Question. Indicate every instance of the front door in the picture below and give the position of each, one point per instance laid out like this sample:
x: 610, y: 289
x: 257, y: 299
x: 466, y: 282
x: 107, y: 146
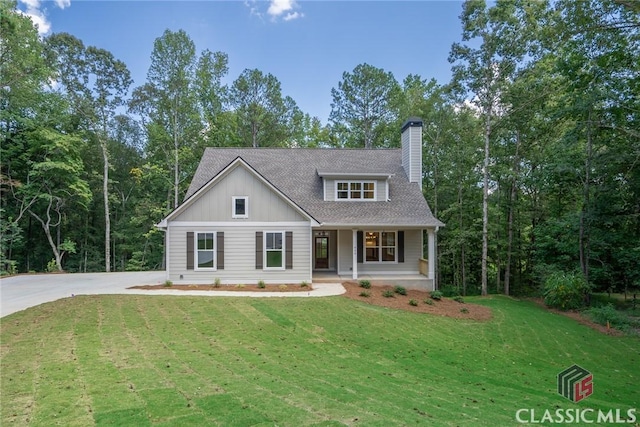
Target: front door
x: 322, y: 253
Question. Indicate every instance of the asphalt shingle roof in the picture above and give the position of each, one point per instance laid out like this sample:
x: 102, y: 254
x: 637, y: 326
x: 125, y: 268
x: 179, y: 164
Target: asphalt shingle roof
x: 295, y: 173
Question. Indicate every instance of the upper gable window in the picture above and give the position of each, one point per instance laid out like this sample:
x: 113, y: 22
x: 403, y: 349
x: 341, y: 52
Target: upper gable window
x: 355, y: 190
x: 240, y: 206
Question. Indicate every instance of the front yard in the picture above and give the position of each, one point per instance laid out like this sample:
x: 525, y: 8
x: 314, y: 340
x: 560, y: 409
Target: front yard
x: 159, y: 360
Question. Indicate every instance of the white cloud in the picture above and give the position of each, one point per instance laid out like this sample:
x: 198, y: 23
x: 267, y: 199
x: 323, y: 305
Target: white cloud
x: 284, y: 9
x: 62, y: 4
x: 34, y: 10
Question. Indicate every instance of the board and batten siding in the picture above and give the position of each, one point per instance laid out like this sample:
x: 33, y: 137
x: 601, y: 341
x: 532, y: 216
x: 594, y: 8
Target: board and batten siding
x: 264, y: 204
x: 412, y: 252
x: 330, y: 188
x: 239, y: 255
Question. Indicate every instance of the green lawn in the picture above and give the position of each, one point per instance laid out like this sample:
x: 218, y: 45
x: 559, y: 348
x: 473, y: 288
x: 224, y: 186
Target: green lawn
x: 178, y: 361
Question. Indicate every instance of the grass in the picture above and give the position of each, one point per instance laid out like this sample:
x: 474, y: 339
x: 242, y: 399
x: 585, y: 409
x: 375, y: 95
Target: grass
x: 164, y: 361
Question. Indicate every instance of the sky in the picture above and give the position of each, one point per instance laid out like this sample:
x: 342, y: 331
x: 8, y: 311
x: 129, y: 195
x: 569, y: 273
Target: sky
x: 306, y: 45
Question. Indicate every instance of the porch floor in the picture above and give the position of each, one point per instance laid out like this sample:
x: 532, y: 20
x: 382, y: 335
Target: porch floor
x: 410, y: 281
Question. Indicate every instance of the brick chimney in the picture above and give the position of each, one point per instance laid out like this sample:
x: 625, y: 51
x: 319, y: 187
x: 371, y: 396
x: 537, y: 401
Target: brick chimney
x: 412, y: 149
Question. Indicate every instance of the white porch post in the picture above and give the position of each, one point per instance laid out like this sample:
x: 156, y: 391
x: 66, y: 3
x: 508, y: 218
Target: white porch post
x: 432, y: 253
x: 354, y: 242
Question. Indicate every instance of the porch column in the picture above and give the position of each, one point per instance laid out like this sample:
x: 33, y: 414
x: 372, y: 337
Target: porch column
x: 431, y: 235
x: 354, y: 262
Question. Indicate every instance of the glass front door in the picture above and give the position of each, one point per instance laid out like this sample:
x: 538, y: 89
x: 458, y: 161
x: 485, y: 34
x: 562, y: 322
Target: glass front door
x: 322, y: 252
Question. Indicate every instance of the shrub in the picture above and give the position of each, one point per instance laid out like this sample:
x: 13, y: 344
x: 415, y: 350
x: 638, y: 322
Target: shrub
x: 365, y: 294
x: 429, y: 301
x: 464, y: 310
x: 168, y: 283
x: 608, y: 313
x: 240, y: 285
x: 365, y: 284
x: 400, y: 290
x: 216, y: 282
x: 459, y: 299
x: 283, y: 287
x: 388, y: 294
x: 304, y: 284
x: 566, y: 291
x: 413, y: 302
x: 449, y: 291
x: 436, y: 295
x: 261, y: 284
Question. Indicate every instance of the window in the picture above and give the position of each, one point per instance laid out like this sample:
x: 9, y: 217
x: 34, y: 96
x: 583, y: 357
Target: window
x: 205, y: 250
x: 240, y: 207
x: 380, y: 246
x: 274, y: 249
x: 356, y: 190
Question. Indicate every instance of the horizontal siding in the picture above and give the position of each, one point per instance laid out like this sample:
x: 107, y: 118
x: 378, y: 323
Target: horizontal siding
x: 216, y: 204
x: 239, y: 256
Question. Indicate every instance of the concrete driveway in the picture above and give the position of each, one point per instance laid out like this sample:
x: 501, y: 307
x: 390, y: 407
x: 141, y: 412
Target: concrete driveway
x: 20, y: 292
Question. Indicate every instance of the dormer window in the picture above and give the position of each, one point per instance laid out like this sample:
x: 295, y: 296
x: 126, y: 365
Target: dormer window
x: 355, y: 190
x: 240, y: 206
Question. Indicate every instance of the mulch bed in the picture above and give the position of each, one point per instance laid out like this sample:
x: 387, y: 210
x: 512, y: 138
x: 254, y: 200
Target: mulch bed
x: 236, y: 288
x: 445, y: 307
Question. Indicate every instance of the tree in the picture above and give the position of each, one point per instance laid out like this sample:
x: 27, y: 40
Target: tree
x: 96, y: 84
x: 169, y: 103
x: 263, y: 114
x: 363, y: 107
x: 484, y: 72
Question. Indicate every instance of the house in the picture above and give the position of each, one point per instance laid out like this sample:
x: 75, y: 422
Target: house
x: 289, y: 215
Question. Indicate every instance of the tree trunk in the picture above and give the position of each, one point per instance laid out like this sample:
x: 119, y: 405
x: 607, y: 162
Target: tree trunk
x: 46, y: 226
x: 512, y: 200
x: 107, y: 215
x: 485, y: 201
x: 584, y: 232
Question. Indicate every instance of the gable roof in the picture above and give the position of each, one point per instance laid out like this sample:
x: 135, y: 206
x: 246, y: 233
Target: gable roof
x: 296, y: 173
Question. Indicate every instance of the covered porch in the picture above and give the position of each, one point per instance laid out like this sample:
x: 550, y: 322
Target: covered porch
x: 389, y: 256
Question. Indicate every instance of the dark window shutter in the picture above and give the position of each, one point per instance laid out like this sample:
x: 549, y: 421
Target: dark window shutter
x: 400, y: 246
x: 190, y: 250
x: 360, y: 243
x: 288, y: 263
x: 258, y: 250
x: 220, y: 250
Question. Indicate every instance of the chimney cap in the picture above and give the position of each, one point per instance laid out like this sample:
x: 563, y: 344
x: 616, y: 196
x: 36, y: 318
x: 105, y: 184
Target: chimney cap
x: 412, y: 122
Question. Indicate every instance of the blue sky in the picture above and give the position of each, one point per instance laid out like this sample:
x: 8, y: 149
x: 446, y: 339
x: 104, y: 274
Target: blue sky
x: 306, y: 45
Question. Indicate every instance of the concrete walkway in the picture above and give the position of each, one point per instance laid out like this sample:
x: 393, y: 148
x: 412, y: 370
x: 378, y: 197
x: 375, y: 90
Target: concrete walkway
x: 21, y: 292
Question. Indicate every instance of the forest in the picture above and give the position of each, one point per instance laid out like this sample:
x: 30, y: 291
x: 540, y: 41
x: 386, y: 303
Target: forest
x: 531, y: 151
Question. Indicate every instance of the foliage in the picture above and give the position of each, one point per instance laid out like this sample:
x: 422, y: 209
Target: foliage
x: 429, y: 301
x: 608, y: 315
x: 261, y: 284
x: 363, y: 107
x: 168, y: 283
x: 216, y: 282
x: 413, y: 302
x: 365, y: 294
x: 400, y: 290
x: 435, y: 295
x: 459, y: 299
x: 365, y: 284
x: 304, y: 284
x: 566, y: 291
x: 388, y: 294
x: 283, y: 287
x: 464, y: 310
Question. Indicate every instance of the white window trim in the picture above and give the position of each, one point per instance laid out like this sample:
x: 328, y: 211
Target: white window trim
x: 215, y: 251
x: 380, y: 261
x: 264, y: 250
x: 233, y: 207
x: 362, y: 199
